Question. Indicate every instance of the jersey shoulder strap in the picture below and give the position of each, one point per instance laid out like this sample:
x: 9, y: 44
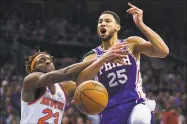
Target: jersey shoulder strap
x: 87, y: 54
x: 122, y: 40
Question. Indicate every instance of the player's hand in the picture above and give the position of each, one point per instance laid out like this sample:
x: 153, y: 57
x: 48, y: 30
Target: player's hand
x: 116, y: 53
x: 136, y: 13
x: 73, y: 101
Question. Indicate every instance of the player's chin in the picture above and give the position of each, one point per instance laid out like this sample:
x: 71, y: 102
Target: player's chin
x: 104, y: 38
x: 51, y: 69
x: 48, y: 69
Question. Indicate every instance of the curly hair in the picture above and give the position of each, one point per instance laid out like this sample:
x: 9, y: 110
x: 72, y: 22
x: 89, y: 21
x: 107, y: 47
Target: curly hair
x: 30, y: 59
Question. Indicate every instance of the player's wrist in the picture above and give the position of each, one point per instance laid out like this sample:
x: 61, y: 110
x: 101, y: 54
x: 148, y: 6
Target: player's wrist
x: 102, y: 59
x: 141, y: 25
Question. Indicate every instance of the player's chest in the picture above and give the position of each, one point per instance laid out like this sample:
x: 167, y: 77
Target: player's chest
x: 55, y: 101
x: 129, y: 65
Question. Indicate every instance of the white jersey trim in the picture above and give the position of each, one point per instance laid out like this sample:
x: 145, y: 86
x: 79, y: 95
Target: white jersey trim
x: 139, y: 88
x: 61, y: 87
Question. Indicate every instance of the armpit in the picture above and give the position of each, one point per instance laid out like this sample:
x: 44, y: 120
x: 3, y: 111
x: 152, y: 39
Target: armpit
x: 88, y: 56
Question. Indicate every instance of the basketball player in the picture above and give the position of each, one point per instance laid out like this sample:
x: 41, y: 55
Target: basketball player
x: 127, y: 102
x: 42, y: 99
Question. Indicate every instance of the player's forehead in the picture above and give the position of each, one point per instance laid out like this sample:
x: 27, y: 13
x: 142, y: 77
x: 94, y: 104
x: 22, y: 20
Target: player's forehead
x: 106, y: 16
x: 43, y: 56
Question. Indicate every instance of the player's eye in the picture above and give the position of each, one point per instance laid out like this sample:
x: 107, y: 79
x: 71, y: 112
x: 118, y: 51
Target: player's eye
x: 108, y: 20
x: 100, y: 21
x: 42, y: 60
x: 50, y: 59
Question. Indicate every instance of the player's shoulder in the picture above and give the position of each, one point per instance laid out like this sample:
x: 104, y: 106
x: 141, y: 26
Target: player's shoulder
x: 89, y: 55
x: 135, y: 39
x: 32, y: 77
x: 30, y: 80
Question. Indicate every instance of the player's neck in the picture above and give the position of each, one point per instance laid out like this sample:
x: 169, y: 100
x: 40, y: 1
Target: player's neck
x: 113, y: 41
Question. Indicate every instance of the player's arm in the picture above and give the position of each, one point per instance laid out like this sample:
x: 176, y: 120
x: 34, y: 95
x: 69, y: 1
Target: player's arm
x: 91, y: 71
x: 38, y: 79
x: 68, y: 87
x: 156, y: 47
x: 153, y: 48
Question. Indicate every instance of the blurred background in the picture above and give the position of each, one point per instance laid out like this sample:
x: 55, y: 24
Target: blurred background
x: 66, y: 29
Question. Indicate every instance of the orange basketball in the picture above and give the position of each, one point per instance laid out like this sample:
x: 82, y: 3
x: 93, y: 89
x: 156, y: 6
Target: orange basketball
x: 91, y: 97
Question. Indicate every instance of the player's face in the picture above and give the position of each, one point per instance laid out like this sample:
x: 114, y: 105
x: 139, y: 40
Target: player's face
x: 107, y: 27
x: 44, y: 64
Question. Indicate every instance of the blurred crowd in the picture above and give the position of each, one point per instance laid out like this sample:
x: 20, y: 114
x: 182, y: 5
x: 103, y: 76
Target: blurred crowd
x: 163, y: 82
x: 166, y: 83
x: 55, y: 31
x: 75, y: 23
x: 61, y: 31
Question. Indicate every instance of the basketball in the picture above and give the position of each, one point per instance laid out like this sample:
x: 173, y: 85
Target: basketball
x: 91, y: 97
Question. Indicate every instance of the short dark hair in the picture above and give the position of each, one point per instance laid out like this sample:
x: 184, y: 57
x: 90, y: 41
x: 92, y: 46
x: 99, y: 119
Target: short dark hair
x: 116, y: 17
x: 31, y: 58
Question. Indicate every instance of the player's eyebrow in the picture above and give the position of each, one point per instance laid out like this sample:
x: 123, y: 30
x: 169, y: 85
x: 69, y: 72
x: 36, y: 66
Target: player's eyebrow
x: 100, y: 19
x: 106, y: 19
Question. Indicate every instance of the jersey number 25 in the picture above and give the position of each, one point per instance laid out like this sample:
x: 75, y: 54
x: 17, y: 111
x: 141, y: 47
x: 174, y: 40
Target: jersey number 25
x: 119, y: 75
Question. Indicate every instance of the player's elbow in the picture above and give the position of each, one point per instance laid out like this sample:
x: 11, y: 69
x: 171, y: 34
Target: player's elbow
x: 81, y: 78
x: 164, y: 53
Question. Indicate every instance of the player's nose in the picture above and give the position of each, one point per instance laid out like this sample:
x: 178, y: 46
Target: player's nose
x: 103, y: 24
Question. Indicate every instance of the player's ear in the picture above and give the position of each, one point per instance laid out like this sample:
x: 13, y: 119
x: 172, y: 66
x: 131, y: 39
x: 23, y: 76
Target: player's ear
x: 118, y: 27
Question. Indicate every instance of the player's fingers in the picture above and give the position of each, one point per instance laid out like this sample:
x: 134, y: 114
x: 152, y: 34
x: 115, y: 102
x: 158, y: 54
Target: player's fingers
x: 131, y: 9
x: 132, y: 5
x: 123, y: 56
x: 123, y: 43
x: 119, y: 56
x: 120, y: 46
x: 134, y: 12
x: 121, y: 51
x: 116, y: 46
x: 129, y: 51
x: 124, y: 52
x: 120, y: 62
x: 72, y: 101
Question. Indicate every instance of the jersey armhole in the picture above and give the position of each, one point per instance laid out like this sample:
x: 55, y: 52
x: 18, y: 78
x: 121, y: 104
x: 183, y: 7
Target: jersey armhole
x: 66, y: 96
x: 36, y: 100
x: 125, y: 40
x: 87, y: 54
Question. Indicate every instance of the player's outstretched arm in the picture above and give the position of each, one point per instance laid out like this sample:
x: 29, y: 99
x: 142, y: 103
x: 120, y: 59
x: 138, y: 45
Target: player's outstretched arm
x: 91, y: 71
x: 38, y: 79
x: 156, y: 47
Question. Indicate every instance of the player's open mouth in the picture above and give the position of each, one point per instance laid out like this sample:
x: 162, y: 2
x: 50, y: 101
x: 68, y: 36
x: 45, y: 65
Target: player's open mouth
x: 103, y: 30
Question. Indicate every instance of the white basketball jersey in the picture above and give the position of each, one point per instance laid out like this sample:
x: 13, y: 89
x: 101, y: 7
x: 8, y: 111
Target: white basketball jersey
x: 48, y: 109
